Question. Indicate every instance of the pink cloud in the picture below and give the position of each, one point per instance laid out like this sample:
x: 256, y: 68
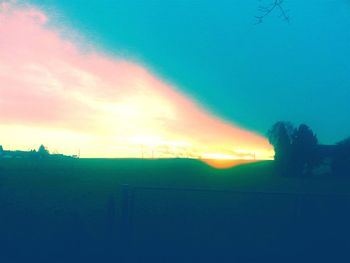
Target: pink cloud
x: 47, y: 81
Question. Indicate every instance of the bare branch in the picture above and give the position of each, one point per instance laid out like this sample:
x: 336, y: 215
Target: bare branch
x: 267, y: 10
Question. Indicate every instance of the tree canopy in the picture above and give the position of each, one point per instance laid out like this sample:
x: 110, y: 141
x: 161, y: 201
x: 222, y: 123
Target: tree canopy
x: 43, y: 150
x: 296, y: 150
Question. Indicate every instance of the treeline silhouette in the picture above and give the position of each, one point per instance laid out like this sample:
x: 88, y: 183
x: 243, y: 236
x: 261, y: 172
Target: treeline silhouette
x: 298, y: 152
x: 41, y: 153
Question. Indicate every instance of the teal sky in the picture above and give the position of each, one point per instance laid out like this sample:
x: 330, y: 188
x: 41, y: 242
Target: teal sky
x: 248, y: 74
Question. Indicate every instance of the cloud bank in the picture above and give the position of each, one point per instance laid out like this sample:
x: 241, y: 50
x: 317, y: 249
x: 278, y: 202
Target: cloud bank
x: 53, y: 92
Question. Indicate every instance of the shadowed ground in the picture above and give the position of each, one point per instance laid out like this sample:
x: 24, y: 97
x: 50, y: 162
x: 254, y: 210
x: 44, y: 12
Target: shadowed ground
x: 71, y: 210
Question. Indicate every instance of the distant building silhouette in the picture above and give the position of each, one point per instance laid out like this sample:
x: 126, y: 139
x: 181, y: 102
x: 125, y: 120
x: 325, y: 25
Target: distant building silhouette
x: 327, y: 151
x: 332, y: 161
x: 327, y: 154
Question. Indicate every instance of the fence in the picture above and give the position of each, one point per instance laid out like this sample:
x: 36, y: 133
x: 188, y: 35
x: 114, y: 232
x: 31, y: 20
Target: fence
x: 307, y: 217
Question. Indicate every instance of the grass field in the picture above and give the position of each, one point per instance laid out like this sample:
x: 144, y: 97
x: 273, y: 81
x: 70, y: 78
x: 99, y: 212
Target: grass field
x: 70, y: 211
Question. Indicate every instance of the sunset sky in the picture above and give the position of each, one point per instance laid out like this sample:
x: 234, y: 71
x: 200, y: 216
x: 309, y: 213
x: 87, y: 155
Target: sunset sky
x: 172, y: 78
x: 58, y: 89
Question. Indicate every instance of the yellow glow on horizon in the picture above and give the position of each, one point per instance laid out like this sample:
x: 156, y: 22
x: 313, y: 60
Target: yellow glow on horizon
x: 97, y: 146
x: 226, y: 163
x: 220, y: 156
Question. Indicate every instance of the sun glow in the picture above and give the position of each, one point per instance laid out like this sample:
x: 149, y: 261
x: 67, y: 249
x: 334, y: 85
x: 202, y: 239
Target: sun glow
x: 238, y: 157
x: 220, y: 156
x: 225, y: 163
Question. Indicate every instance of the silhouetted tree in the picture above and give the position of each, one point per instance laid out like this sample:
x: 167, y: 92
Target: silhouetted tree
x: 341, y: 161
x: 1, y: 149
x: 280, y: 136
x: 304, y: 150
x: 42, y: 151
x: 296, y: 149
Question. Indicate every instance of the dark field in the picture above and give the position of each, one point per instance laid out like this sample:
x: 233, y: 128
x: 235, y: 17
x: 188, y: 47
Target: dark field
x: 73, y: 211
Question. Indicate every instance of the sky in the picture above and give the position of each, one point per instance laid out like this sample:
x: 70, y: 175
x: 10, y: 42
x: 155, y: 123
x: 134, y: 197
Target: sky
x: 202, y: 74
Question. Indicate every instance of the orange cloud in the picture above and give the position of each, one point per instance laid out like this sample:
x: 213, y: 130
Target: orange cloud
x: 67, y: 99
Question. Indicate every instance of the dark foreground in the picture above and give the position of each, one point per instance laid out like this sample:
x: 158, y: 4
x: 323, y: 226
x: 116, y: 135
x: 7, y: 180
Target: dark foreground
x: 76, y: 211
